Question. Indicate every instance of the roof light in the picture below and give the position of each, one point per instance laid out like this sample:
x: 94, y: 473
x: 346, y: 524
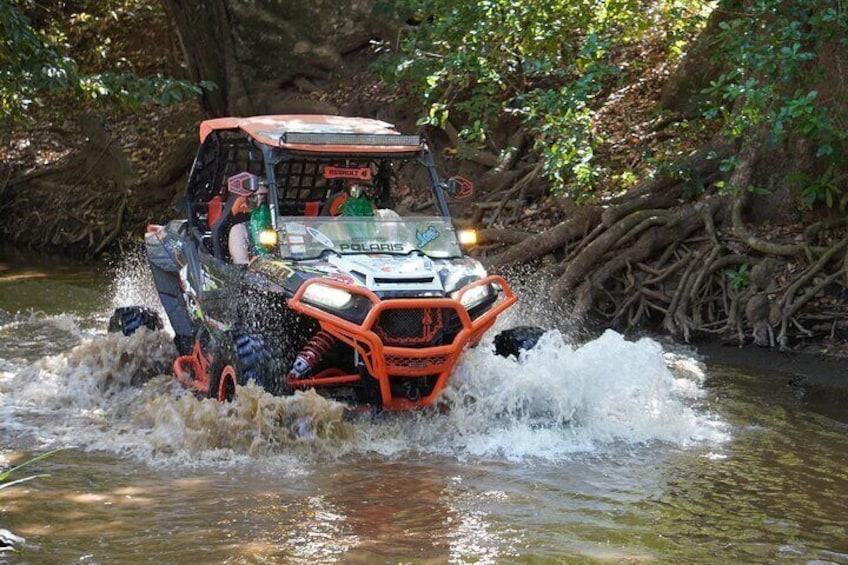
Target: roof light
x: 373, y: 139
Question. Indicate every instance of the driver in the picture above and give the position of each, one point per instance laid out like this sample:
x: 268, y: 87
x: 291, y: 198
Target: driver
x: 359, y: 202
x: 243, y: 239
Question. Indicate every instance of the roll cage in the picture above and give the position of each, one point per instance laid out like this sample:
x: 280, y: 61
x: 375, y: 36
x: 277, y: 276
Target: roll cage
x: 302, y: 160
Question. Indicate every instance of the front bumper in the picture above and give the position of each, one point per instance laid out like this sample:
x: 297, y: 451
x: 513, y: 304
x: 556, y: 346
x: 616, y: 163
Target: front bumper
x: 389, y: 363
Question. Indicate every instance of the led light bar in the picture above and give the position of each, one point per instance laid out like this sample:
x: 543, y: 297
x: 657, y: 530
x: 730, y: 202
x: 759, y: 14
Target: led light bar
x: 379, y: 140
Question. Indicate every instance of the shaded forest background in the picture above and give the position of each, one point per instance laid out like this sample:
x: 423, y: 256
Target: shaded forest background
x: 675, y: 166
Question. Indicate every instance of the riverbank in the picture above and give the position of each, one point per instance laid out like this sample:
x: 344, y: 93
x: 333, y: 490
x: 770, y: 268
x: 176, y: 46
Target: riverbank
x: 817, y: 378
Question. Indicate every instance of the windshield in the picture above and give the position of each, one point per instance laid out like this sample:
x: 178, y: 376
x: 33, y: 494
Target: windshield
x: 308, y: 238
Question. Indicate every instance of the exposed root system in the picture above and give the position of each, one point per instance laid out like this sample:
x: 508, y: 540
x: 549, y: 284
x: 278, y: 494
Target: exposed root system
x: 652, y: 260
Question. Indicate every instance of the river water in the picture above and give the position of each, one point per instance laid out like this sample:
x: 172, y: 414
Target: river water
x: 614, y: 451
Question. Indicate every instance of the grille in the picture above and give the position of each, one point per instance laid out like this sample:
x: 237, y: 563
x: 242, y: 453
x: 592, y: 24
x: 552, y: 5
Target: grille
x: 420, y: 280
x: 431, y: 362
x: 410, y: 327
x: 414, y: 389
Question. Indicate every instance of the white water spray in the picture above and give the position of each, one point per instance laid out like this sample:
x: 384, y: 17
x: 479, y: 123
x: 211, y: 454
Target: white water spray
x: 558, y: 400
x: 116, y: 393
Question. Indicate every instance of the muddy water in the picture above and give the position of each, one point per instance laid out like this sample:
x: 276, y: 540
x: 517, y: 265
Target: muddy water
x: 612, y: 452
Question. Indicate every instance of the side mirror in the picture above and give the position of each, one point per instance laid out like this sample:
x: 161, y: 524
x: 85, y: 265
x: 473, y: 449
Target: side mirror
x: 243, y: 183
x: 459, y: 188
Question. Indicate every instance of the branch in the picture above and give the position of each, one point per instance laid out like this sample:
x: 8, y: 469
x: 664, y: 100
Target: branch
x: 473, y: 154
x: 548, y: 241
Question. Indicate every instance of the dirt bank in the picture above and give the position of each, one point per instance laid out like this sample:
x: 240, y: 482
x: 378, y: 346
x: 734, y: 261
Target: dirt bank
x: 802, y: 372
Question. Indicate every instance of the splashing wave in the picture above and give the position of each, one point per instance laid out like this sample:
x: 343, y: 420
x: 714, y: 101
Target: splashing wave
x: 558, y: 400
x: 115, y: 393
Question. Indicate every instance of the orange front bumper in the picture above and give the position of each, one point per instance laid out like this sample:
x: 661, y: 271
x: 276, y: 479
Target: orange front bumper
x: 386, y: 363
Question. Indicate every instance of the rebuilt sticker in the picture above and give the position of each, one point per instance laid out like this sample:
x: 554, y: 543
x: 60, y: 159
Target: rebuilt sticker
x: 355, y: 173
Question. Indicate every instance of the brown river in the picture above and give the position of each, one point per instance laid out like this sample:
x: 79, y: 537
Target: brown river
x: 613, y: 451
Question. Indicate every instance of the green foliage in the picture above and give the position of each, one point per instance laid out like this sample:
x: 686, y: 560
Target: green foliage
x: 6, y: 475
x: 545, y: 64
x: 772, y: 53
x: 738, y: 277
x: 826, y: 188
x: 36, y: 65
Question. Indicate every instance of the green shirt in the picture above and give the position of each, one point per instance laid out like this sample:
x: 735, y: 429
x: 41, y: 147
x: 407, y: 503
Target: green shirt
x: 361, y: 206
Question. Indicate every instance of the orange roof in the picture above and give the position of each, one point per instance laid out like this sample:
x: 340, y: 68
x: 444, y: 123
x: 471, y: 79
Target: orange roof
x: 270, y: 129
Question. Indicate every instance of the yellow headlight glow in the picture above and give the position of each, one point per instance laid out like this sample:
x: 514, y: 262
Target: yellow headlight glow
x: 467, y: 237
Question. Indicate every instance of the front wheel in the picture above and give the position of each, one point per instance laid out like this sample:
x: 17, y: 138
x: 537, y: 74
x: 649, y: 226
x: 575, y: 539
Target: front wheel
x: 222, y: 382
x: 260, y: 361
x: 245, y: 357
x: 515, y: 340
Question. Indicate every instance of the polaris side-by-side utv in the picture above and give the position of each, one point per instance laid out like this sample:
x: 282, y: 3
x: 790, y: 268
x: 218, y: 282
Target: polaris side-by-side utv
x: 371, y: 309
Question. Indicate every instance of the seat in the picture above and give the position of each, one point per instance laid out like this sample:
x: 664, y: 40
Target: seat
x: 235, y: 211
x: 213, y: 211
x: 332, y: 207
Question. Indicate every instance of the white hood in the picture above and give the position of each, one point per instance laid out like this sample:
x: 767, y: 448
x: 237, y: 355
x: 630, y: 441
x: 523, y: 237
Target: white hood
x: 391, y: 272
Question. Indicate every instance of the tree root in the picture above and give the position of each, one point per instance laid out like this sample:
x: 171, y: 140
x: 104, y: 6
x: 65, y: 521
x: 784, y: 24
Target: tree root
x: 652, y: 262
x: 511, y: 237
x: 549, y: 241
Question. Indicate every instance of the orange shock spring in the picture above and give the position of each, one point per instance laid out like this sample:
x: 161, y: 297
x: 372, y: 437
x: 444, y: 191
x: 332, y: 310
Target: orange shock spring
x: 311, y: 355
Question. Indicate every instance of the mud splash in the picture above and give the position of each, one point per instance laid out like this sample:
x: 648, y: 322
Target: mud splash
x: 117, y: 394
x: 69, y: 386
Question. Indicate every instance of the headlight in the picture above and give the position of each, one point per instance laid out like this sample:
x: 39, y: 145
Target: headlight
x: 268, y: 238
x: 328, y: 296
x: 474, y: 296
x: 467, y: 238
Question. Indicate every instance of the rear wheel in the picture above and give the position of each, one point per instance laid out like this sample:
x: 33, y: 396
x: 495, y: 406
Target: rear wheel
x: 130, y: 319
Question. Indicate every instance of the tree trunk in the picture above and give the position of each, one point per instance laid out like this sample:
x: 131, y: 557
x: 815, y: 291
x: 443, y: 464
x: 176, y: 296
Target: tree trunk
x: 200, y: 31
x: 258, y: 51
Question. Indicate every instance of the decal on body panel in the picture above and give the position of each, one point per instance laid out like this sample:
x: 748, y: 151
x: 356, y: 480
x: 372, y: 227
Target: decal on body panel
x: 190, y: 294
x: 275, y: 269
x: 295, y: 228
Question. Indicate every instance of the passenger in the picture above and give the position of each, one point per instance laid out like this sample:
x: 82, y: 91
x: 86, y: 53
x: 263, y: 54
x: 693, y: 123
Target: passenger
x: 243, y: 239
